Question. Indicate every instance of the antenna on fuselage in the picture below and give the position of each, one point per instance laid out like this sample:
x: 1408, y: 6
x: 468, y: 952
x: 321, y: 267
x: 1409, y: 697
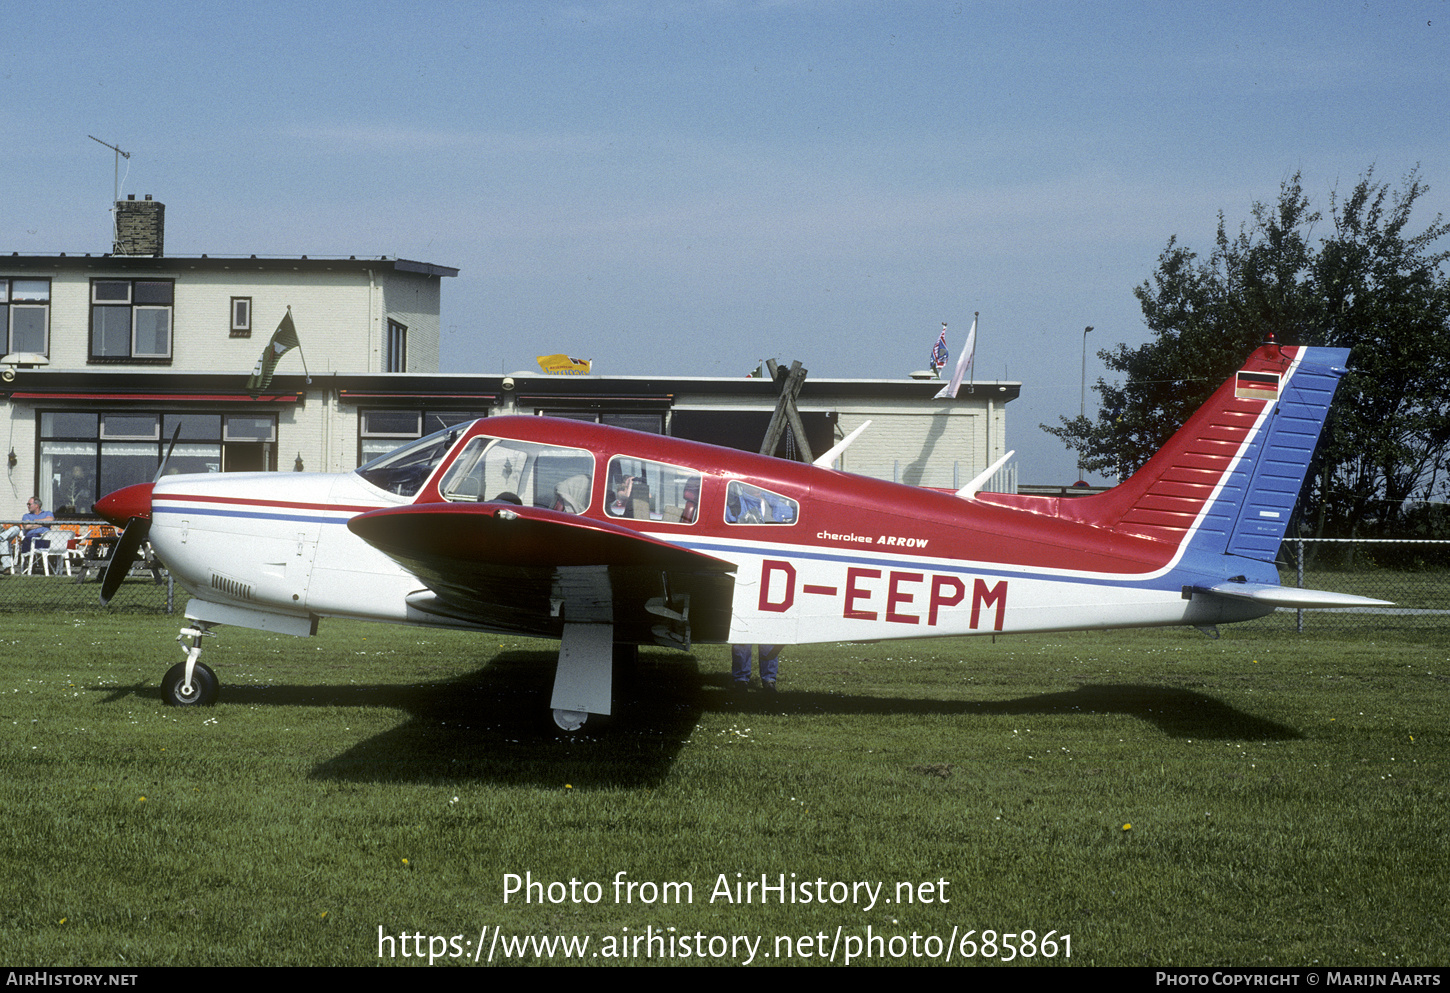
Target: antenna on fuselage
x: 825, y: 460
x: 969, y: 491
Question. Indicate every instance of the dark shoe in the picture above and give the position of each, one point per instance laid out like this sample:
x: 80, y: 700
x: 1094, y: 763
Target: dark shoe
x: 767, y: 686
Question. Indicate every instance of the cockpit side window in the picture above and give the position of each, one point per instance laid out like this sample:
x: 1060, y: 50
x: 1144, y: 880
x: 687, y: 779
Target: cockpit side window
x: 748, y: 504
x: 404, y: 470
x: 652, y: 491
x: 521, y: 472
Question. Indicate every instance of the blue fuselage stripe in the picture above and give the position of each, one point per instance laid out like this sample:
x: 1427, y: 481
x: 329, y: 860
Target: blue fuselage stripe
x: 193, y: 511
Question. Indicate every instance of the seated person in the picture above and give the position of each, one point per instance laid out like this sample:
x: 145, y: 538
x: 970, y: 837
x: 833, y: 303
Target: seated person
x: 571, y: 496
x: 29, y: 528
x: 631, y: 499
x: 692, y: 502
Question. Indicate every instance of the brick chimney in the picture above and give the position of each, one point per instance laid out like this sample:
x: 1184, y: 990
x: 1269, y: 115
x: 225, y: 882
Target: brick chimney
x: 140, y: 226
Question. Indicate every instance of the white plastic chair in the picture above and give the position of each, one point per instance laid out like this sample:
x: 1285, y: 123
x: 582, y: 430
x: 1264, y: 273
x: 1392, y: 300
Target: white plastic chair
x: 75, y: 550
x: 52, y: 544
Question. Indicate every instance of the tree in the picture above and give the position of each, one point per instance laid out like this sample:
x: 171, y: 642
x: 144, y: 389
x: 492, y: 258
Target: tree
x: 1366, y: 285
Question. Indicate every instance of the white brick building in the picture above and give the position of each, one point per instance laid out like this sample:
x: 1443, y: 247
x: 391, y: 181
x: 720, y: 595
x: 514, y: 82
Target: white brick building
x: 104, y: 356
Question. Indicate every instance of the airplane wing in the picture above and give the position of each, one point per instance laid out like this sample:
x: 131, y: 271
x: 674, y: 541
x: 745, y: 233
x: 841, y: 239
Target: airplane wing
x: 1291, y: 597
x: 529, y: 570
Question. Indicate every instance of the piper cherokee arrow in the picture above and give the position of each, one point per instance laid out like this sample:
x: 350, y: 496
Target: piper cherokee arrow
x: 599, y: 536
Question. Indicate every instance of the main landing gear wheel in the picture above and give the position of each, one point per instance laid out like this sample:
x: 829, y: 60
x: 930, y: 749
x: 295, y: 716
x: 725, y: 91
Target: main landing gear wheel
x: 203, y: 689
x: 570, y: 720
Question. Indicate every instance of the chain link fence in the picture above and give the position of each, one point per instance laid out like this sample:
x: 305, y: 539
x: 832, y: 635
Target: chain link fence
x: 1413, y: 574
x: 62, y: 572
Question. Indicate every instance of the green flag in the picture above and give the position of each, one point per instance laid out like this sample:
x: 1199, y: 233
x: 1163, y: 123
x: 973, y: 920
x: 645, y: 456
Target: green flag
x: 284, y: 339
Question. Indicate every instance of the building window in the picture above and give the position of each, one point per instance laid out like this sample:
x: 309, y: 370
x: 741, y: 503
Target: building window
x: 131, y: 319
x: 396, y: 359
x: 25, y: 316
x: 380, y: 431
x: 84, y: 455
x: 649, y: 422
x: 241, y: 317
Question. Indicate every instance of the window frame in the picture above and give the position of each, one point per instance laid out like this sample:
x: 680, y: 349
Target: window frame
x: 93, y: 438
x: 395, y: 353
x: 9, y: 304
x: 134, y: 306
x: 375, y: 442
x: 241, y: 326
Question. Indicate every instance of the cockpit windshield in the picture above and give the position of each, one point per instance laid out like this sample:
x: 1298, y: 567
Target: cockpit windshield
x: 404, y: 470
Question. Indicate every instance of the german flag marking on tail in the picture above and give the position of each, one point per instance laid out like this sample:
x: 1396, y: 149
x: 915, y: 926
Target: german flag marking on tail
x: 1257, y: 386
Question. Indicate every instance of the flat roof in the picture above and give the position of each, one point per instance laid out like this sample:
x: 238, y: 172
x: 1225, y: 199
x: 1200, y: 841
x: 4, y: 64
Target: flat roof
x: 113, y: 382
x: 217, y: 263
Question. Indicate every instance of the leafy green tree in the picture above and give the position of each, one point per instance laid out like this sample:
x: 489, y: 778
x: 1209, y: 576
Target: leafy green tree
x: 1366, y: 285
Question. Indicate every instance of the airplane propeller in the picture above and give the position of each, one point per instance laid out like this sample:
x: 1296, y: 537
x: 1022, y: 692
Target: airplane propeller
x: 133, y: 505
x: 132, y: 537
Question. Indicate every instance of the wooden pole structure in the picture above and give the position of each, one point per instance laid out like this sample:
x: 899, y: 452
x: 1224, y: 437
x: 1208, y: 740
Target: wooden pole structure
x: 786, y: 415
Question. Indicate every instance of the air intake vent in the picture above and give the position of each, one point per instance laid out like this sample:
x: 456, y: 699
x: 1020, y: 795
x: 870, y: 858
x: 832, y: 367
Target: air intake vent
x: 234, y: 588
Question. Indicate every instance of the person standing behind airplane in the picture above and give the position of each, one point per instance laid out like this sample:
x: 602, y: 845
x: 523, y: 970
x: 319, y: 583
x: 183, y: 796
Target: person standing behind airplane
x: 740, y: 666
x: 29, y: 526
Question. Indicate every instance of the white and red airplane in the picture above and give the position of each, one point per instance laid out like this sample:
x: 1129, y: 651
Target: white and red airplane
x: 600, y: 536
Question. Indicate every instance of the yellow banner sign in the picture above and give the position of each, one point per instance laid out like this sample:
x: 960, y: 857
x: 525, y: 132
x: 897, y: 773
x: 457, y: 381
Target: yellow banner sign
x: 564, y: 365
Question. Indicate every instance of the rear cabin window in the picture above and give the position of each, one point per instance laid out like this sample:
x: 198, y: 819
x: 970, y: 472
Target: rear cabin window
x: 652, y: 491
x: 526, y: 473
x: 749, y: 504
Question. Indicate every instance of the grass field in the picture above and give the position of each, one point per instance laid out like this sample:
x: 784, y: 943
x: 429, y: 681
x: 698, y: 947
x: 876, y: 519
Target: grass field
x: 1160, y: 798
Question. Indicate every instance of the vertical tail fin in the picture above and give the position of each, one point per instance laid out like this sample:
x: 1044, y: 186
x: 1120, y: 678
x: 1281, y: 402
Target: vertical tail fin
x: 1227, y: 481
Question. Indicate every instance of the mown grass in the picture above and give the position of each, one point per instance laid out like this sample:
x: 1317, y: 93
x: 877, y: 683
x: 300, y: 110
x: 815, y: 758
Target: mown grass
x: 1164, y: 799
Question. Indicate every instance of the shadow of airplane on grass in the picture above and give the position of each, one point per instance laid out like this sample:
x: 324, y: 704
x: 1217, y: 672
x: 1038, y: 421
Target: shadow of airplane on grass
x: 1178, y: 713
x: 488, y: 725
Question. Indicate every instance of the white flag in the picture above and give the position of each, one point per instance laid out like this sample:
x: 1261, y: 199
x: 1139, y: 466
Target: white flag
x: 949, y: 391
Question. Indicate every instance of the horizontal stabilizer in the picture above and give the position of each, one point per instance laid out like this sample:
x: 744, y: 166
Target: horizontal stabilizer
x: 1287, y: 596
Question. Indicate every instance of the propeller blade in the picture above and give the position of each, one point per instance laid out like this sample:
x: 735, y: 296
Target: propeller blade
x: 137, y: 528
x: 161, y: 469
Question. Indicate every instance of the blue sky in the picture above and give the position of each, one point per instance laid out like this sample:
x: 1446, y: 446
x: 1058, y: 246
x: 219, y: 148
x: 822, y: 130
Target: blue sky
x: 688, y: 187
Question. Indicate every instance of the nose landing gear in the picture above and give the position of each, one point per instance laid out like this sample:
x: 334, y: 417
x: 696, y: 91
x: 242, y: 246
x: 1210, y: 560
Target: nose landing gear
x: 190, y: 683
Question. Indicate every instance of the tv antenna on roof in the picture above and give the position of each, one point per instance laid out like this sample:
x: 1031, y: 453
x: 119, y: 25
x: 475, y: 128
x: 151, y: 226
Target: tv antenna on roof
x: 116, y: 190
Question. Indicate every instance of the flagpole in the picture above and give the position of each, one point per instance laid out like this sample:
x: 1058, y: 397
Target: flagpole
x: 1082, y: 402
x: 301, y: 354
x: 972, y: 383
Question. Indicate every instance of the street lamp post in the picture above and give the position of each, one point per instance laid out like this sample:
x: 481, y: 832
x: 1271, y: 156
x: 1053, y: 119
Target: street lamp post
x: 1082, y: 405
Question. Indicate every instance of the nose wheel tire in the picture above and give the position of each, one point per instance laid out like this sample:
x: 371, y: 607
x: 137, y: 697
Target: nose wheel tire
x: 203, y: 690
x: 570, y: 720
